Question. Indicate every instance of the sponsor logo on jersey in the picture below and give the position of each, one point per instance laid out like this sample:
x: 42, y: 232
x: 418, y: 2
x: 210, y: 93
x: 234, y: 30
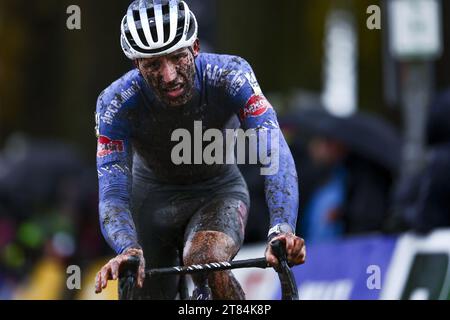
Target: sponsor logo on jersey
x: 237, y: 83
x: 231, y: 80
x: 119, y: 100
x: 107, y: 146
x: 256, y: 106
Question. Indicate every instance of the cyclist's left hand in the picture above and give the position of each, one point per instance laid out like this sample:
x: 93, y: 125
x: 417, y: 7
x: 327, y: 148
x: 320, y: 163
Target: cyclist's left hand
x: 295, y: 250
x: 110, y: 271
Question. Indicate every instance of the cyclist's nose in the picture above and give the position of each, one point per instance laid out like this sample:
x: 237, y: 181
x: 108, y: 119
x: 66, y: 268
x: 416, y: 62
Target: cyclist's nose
x: 168, y: 71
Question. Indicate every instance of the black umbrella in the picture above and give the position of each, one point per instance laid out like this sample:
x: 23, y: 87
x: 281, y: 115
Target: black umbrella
x: 34, y: 170
x: 365, y: 135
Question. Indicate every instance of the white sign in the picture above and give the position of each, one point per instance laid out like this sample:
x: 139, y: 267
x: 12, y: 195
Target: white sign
x: 340, y: 93
x: 415, y: 28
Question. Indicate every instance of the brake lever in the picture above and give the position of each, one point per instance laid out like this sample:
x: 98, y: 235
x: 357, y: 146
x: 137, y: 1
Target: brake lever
x: 289, y: 289
x: 127, y: 275
x: 279, y: 250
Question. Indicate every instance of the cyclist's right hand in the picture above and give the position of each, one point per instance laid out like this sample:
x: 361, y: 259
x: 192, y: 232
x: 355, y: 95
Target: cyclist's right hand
x: 110, y: 271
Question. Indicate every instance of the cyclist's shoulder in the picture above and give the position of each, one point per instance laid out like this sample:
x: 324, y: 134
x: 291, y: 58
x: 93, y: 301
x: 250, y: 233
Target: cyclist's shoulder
x: 226, y: 72
x: 122, y: 90
x: 223, y: 61
x: 118, y: 97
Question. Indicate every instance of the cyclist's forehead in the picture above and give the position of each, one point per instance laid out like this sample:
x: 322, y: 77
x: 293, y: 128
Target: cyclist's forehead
x: 165, y: 56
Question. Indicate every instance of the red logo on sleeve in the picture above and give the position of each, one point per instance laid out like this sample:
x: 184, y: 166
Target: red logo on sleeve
x: 256, y: 106
x: 106, y: 146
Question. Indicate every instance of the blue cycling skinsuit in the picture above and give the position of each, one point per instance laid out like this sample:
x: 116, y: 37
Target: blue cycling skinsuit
x: 145, y: 200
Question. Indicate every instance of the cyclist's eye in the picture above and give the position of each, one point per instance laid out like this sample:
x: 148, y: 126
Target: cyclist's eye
x: 178, y: 57
x: 151, y: 66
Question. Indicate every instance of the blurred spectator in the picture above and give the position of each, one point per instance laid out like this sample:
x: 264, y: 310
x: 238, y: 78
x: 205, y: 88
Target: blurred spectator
x: 355, y: 160
x: 48, y: 209
x: 323, y: 213
x: 423, y: 200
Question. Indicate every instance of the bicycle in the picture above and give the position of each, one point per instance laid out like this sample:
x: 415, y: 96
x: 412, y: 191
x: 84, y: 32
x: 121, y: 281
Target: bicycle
x: 287, y: 280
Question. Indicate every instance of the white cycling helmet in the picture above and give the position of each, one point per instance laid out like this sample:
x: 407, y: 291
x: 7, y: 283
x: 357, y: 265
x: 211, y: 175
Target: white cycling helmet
x: 156, y: 27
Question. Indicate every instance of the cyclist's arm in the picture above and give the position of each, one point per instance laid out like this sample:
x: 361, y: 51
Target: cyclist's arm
x: 281, y: 182
x: 114, y: 176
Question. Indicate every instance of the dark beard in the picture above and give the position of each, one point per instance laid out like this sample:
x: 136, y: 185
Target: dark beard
x: 187, y: 73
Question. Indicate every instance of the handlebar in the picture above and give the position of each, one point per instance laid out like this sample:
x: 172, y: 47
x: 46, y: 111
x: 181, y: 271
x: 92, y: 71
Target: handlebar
x: 128, y: 271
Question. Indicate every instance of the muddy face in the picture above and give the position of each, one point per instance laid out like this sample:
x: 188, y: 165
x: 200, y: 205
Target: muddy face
x: 171, y: 76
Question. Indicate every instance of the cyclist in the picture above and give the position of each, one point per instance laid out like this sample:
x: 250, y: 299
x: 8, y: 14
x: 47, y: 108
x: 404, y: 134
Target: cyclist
x: 160, y: 211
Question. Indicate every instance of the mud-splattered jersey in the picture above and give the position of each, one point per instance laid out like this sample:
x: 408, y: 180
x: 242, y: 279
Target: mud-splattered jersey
x: 131, y: 121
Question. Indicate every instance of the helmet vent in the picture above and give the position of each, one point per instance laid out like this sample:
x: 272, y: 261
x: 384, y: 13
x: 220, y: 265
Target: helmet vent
x: 167, y: 32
